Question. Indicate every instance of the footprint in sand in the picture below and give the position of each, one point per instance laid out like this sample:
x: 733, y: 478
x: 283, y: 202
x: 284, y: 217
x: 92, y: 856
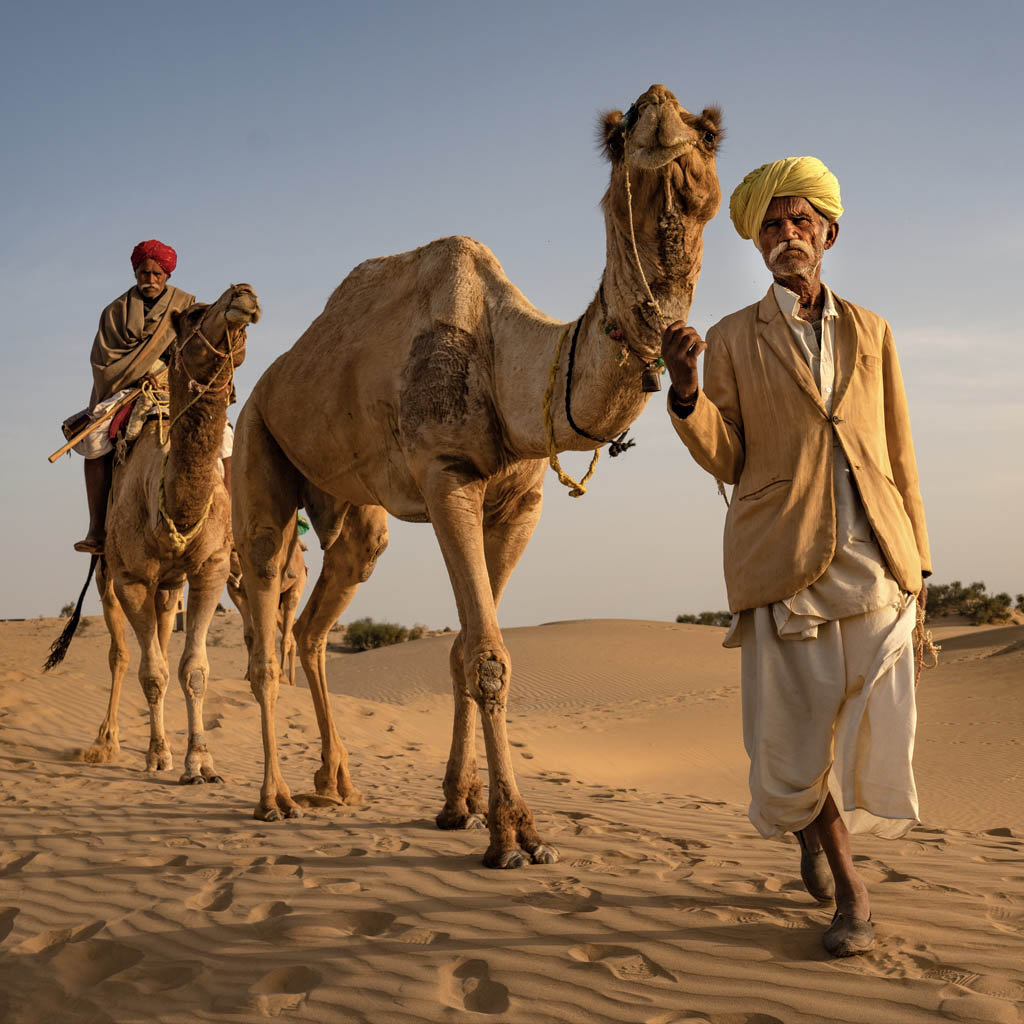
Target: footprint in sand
x: 284, y: 988
x: 266, y: 911
x: 46, y: 942
x: 326, y: 928
x: 625, y: 963
x: 697, y: 1017
x: 212, y: 897
x: 151, y: 978
x: 567, y: 896
x: 12, y: 865
x: 467, y: 985
x: 1006, y: 920
x: 7, y: 916
x: 81, y: 965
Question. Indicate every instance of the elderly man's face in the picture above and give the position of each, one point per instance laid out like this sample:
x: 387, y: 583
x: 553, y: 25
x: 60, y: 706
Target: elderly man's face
x: 150, y: 278
x: 794, y: 236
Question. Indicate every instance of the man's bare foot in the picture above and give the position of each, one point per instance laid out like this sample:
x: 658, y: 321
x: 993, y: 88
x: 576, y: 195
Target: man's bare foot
x: 91, y: 545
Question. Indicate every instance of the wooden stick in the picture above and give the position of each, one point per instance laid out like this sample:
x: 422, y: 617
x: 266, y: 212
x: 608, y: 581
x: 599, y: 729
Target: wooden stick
x: 85, y: 431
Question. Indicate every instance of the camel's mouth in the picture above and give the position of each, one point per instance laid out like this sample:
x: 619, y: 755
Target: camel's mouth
x: 653, y: 157
x: 244, y: 307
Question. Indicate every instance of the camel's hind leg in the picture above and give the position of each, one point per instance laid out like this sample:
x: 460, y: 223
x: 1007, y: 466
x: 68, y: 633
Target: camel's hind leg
x: 463, y: 792
x: 289, y: 604
x: 348, y: 562
x: 264, y: 504
x: 107, y: 746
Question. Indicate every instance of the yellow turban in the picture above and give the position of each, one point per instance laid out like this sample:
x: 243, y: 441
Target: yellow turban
x: 804, y: 176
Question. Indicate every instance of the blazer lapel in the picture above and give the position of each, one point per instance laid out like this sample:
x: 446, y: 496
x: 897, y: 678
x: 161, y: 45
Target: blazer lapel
x: 846, y: 347
x: 774, y: 332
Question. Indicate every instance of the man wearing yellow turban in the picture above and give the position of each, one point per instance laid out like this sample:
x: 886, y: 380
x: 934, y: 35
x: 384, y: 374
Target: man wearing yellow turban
x: 803, y: 411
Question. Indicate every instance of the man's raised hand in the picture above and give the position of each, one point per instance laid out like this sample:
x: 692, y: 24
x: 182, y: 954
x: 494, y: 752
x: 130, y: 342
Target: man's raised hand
x: 680, y: 347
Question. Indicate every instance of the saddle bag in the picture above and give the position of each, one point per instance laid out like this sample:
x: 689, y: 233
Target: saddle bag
x: 74, y: 423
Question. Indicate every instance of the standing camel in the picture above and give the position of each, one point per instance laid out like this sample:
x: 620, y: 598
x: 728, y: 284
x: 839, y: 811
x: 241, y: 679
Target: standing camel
x: 424, y: 389
x: 169, y: 520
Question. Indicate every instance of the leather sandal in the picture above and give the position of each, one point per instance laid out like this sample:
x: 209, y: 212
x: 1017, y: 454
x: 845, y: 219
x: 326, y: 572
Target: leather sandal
x: 89, y: 546
x: 815, y: 872
x: 848, y: 936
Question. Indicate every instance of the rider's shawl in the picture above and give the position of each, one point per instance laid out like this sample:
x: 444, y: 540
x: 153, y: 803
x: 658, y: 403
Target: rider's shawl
x: 128, y: 341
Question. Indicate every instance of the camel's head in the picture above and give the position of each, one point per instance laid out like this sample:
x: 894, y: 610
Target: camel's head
x: 213, y: 335
x: 669, y: 155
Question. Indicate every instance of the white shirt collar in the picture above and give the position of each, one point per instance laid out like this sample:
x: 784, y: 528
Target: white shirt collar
x: 789, y: 302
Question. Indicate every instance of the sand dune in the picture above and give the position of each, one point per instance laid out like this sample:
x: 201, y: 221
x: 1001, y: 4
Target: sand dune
x: 124, y: 897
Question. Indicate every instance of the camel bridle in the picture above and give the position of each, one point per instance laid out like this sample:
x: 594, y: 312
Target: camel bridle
x: 180, y: 539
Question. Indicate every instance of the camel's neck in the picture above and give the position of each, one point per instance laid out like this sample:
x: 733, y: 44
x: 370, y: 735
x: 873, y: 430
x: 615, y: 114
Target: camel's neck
x: 192, y: 469
x: 606, y: 393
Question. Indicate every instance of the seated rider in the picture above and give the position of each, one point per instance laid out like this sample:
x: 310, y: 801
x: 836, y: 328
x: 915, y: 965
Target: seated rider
x: 135, y: 331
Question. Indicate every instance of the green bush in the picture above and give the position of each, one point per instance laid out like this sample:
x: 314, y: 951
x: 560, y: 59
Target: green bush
x: 365, y: 634
x: 707, y: 618
x: 972, y: 601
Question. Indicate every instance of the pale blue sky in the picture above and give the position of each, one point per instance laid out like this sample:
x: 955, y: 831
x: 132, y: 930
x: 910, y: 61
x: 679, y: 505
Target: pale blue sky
x: 282, y: 146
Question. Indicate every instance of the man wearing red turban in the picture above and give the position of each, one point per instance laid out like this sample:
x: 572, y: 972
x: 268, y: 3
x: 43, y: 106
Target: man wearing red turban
x: 134, y: 332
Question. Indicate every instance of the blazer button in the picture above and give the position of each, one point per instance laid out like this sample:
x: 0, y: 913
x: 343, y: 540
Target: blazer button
x: 836, y: 419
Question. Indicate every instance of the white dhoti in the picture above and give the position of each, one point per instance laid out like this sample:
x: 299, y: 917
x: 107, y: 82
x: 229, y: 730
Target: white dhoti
x: 834, y: 712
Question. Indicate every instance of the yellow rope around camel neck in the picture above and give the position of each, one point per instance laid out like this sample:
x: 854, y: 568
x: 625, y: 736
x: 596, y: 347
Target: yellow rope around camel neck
x: 179, y: 540
x: 576, y: 488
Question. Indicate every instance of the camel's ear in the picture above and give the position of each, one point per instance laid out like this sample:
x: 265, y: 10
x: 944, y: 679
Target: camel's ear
x: 610, y: 138
x: 714, y: 115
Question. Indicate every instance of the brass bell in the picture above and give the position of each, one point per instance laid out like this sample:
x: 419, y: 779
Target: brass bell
x: 650, y: 379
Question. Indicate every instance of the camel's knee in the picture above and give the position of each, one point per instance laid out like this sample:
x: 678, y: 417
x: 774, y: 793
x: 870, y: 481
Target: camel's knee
x: 262, y: 553
x: 376, y: 547
x: 263, y: 673
x: 153, y: 690
x: 487, y: 678
x: 193, y: 683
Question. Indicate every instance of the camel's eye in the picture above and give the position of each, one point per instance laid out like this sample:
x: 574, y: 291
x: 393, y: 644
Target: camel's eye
x: 709, y: 138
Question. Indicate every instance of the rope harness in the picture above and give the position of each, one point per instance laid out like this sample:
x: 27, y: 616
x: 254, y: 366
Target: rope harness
x: 926, y: 651
x: 179, y: 539
x: 652, y: 367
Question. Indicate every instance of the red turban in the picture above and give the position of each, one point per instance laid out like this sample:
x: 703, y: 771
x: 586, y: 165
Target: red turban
x: 154, y: 250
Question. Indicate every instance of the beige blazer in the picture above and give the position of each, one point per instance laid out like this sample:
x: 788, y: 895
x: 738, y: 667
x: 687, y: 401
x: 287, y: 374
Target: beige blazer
x: 760, y: 423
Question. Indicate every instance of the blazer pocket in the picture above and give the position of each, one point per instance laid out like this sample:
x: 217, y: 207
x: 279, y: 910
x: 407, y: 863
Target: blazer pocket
x: 872, y: 364
x: 764, y: 490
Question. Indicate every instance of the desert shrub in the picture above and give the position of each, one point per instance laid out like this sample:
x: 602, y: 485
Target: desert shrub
x: 365, y: 634
x: 707, y: 618
x: 972, y: 601
x: 67, y: 610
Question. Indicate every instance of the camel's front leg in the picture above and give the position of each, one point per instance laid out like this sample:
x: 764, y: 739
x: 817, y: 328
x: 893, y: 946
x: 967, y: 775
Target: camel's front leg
x: 456, y: 510
x: 194, y: 668
x: 107, y: 746
x: 138, y: 602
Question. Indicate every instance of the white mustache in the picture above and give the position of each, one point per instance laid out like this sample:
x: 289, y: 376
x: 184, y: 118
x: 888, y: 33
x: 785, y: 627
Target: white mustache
x: 795, y: 243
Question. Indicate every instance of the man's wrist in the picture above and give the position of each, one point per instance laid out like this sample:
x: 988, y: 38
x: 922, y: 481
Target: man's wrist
x: 682, y: 407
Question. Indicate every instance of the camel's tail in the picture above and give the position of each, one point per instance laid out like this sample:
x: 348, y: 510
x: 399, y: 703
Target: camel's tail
x: 60, y: 646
